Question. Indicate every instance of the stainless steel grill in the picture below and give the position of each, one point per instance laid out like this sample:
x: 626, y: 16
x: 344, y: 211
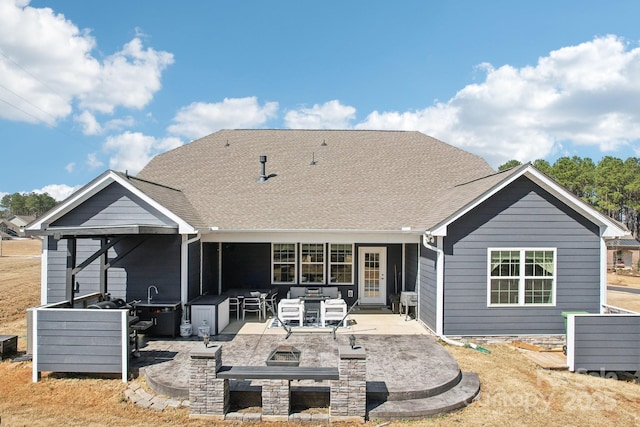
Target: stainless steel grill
x: 408, y: 299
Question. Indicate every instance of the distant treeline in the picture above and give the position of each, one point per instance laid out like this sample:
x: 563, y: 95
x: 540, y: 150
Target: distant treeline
x: 26, y: 204
x: 612, y: 185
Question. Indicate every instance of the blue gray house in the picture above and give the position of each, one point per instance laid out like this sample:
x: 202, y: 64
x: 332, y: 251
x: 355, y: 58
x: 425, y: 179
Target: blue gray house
x: 371, y: 212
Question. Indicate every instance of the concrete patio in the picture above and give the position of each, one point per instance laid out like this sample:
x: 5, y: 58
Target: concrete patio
x: 409, y: 374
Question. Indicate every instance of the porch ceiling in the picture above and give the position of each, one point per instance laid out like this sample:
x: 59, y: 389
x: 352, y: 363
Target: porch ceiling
x: 104, y: 231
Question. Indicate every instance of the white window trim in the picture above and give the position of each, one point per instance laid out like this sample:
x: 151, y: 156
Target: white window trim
x: 324, y: 264
x: 329, y: 263
x: 522, y: 277
x: 295, y: 263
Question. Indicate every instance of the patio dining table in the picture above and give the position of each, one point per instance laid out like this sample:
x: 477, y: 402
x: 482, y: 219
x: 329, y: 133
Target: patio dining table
x: 241, y: 294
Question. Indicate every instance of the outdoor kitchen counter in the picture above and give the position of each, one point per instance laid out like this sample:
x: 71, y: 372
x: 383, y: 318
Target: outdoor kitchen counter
x: 208, y: 300
x: 212, y: 308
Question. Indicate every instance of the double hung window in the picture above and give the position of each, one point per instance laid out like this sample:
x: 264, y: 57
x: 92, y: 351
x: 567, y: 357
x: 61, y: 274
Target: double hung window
x: 522, y: 277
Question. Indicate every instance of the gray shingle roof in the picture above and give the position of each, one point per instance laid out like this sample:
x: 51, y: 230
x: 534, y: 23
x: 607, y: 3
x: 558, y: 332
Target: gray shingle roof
x: 362, y: 180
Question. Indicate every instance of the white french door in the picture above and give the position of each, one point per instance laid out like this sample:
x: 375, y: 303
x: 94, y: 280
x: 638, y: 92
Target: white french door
x: 372, y: 281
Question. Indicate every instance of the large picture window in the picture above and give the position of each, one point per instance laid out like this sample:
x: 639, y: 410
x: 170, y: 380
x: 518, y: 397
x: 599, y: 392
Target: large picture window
x: 283, y: 256
x: 522, y: 277
x: 341, y: 263
x: 312, y: 265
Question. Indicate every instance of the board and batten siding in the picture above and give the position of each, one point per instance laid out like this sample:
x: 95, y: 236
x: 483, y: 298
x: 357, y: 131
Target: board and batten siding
x: 608, y: 342
x: 522, y: 215
x: 427, y: 297
x: 113, y: 206
x: 81, y: 340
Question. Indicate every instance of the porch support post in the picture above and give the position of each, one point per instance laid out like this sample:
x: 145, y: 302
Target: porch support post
x: 71, y: 264
x: 103, y: 268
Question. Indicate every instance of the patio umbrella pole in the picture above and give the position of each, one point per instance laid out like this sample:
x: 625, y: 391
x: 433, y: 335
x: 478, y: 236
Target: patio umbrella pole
x: 335, y: 328
x: 284, y: 325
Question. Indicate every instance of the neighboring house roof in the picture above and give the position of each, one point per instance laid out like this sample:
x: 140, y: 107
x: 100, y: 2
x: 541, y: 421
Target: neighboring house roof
x: 9, y: 229
x: 622, y: 243
x: 21, y: 220
x: 361, y: 180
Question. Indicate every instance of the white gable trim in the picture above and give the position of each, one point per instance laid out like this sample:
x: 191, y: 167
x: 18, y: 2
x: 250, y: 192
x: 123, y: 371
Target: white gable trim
x: 94, y: 188
x: 608, y: 227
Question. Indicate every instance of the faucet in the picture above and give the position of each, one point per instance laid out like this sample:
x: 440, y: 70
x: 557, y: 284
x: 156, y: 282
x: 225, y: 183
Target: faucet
x: 149, y: 293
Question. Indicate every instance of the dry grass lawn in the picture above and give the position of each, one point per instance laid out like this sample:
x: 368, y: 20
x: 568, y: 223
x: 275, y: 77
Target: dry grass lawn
x: 514, y: 390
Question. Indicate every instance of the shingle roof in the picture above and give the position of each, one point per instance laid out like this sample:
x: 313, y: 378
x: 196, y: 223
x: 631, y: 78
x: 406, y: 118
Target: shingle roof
x: 361, y: 180
x: 171, y: 198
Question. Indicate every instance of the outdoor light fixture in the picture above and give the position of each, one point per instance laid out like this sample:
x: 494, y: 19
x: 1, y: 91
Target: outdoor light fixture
x: 205, y: 339
x: 352, y: 341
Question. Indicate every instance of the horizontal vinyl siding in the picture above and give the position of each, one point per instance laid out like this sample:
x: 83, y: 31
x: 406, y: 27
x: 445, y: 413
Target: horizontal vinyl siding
x: 520, y: 216
x: 607, y: 342
x: 88, y: 279
x: 79, y: 340
x: 155, y: 260
x: 427, y: 303
x: 113, y: 206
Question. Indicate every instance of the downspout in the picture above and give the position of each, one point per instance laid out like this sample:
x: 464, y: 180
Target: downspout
x: 440, y: 298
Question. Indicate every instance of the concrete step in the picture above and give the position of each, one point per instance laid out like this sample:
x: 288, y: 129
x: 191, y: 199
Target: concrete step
x: 377, y: 391
x: 455, y: 398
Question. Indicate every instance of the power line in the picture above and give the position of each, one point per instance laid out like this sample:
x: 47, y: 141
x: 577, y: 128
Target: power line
x: 27, y: 101
x: 28, y: 72
x: 25, y: 112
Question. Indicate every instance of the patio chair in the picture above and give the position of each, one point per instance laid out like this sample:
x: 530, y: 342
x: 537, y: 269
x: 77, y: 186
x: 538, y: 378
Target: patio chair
x: 333, y: 310
x: 234, y: 305
x: 253, y: 305
x: 271, y: 302
x: 291, y: 310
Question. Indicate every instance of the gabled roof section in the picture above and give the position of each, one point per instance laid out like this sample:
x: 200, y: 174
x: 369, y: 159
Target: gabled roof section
x: 326, y: 180
x: 169, y: 202
x: 467, y: 196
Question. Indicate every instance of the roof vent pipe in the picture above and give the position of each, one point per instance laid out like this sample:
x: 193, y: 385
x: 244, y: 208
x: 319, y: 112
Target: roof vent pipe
x: 263, y: 173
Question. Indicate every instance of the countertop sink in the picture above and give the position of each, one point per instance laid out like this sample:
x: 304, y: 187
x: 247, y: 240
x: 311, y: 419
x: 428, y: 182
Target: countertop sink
x: 160, y: 304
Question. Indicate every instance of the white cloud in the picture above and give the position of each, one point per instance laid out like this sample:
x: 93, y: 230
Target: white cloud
x: 57, y: 191
x: 587, y: 94
x: 330, y: 115
x: 128, y: 78
x: 70, y: 167
x: 200, y: 118
x: 93, y: 162
x: 46, y: 64
x: 90, y: 125
x: 131, y: 151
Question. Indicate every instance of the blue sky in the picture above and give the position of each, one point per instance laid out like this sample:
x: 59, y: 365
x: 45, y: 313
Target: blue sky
x: 87, y: 86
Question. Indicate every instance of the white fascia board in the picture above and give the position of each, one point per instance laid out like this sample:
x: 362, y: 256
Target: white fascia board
x: 95, y: 187
x: 311, y: 236
x: 608, y: 227
x: 73, y: 201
